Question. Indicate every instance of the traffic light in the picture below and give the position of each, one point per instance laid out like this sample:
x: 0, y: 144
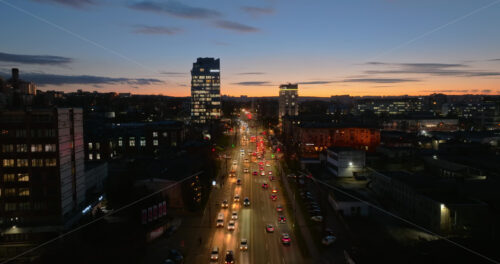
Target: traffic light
x: 213, y: 149
x: 232, y: 145
x: 278, y: 150
x: 272, y: 156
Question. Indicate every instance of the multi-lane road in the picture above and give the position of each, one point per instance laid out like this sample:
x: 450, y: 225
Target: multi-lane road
x: 263, y: 247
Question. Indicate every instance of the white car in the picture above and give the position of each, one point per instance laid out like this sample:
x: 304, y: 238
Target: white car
x: 237, y: 198
x: 214, y: 255
x: 244, y: 244
x: 328, y: 240
x: 231, y: 225
x: 234, y: 215
x: 234, y: 162
x: 317, y: 218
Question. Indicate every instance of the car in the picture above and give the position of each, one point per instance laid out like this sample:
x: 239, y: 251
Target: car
x: 274, y: 190
x: 269, y: 228
x: 279, y: 208
x: 238, y: 181
x: 245, y: 170
x: 261, y: 163
x: 265, y: 185
x: 230, y: 225
x: 274, y: 197
x: 281, y: 219
x: 214, y: 255
x: 234, y: 215
x: 242, y: 154
x: 270, y: 173
x: 220, y: 220
x: 246, y: 161
x: 246, y: 201
x: 285, y: 239
x: 244, y: 244
x: 235, y: 162
x: 261, y: 168
x: 236, y: 197
x: 254, y: 173
x: 317, y: 218
x: 328, y: 240
x: 262, y: 173
x: 271, y: 178
x: 268, y: 165
x: 175, y: 255
x: 224, y: 204
x: 229, y: 257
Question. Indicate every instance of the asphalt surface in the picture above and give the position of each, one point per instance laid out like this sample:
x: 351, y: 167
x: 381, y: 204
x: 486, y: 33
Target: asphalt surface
x: 263, y: 247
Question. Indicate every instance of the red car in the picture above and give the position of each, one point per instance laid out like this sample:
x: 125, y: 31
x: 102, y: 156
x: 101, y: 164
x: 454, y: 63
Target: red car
x: 281, y: 219
x: 271, y: 178
x: 264, y: 185
x: 261, y: 168
x: 285, y: 239
x: 254, y: 173
x: 269, y: 228
x: 279, y: 208
x: 274, y: 197
x: 270, y: 173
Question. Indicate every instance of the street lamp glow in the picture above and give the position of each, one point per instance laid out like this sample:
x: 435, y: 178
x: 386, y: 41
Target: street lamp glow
x: 214, y: 183
x: 350, y: 163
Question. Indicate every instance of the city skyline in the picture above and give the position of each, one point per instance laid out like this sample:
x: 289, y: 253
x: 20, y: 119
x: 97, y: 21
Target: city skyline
x: 147, y: 47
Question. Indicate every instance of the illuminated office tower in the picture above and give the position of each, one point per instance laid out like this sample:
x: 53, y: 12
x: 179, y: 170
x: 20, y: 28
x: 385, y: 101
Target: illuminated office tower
x: 288, y: 106
x: 205, y: 91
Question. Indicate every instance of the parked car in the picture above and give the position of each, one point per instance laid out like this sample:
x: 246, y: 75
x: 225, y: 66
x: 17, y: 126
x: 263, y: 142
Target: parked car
x: 328, y: 240
x: 317, y: 218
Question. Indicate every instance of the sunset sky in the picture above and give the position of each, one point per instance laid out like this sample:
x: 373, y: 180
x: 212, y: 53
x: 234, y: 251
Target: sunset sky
x: 329, y: 47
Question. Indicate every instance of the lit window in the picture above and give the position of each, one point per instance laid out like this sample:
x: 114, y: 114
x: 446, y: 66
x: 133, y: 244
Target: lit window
x: 50, y: 147
x: 36, y: 148
x: 155, y: 134
x: 165, y: 134
x: 8, y: 162
x: 24, y: 192
x: 22, y: 163
x: 9, y: 177
x: 155, y: 142
x: 10, y: 192
x: 23, y: 177
x: 143, y: 142
x: 90, y: 145
x: 98, y: 156
x: 120, y: 142
x: 91, y: 157
x: 97, y: 145
x: 22, y: 148
x: 37, y: 163
x: 50, y: 162
x: 131, y: 142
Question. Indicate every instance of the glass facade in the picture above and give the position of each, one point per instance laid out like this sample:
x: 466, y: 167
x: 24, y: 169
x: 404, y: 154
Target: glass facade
x: 205, y: 90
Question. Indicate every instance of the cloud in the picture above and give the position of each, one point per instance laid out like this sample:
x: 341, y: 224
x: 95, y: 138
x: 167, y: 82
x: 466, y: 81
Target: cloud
x: 173, y: 73
x: 251, y: 73
x: 257, y: 11
x: 494, y: 60
x: 463, y: 91
x: 235, y: 26
x: 43, y: 79
x: 35, y: 59
x: 71, y: 3
x: 486, y: 91
x: 315, y: 82
x: 434, y: 69
x: 380, y: 80
x: 254, y: 83
x: 175, y: 8
x: 156, y: 30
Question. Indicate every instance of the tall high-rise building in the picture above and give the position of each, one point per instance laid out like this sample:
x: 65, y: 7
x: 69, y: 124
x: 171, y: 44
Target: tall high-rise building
x: 205, y: 91
x: 288, y: 105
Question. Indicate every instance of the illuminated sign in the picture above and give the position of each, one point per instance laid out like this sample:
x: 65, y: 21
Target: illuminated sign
x: 214, y: 70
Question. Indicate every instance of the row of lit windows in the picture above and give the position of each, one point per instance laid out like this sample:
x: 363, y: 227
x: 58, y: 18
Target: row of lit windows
x: 12, y: 192
x: 25, y: 163
x: 22, y: 133
x: 24, y: 148
x: 13, y: 177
